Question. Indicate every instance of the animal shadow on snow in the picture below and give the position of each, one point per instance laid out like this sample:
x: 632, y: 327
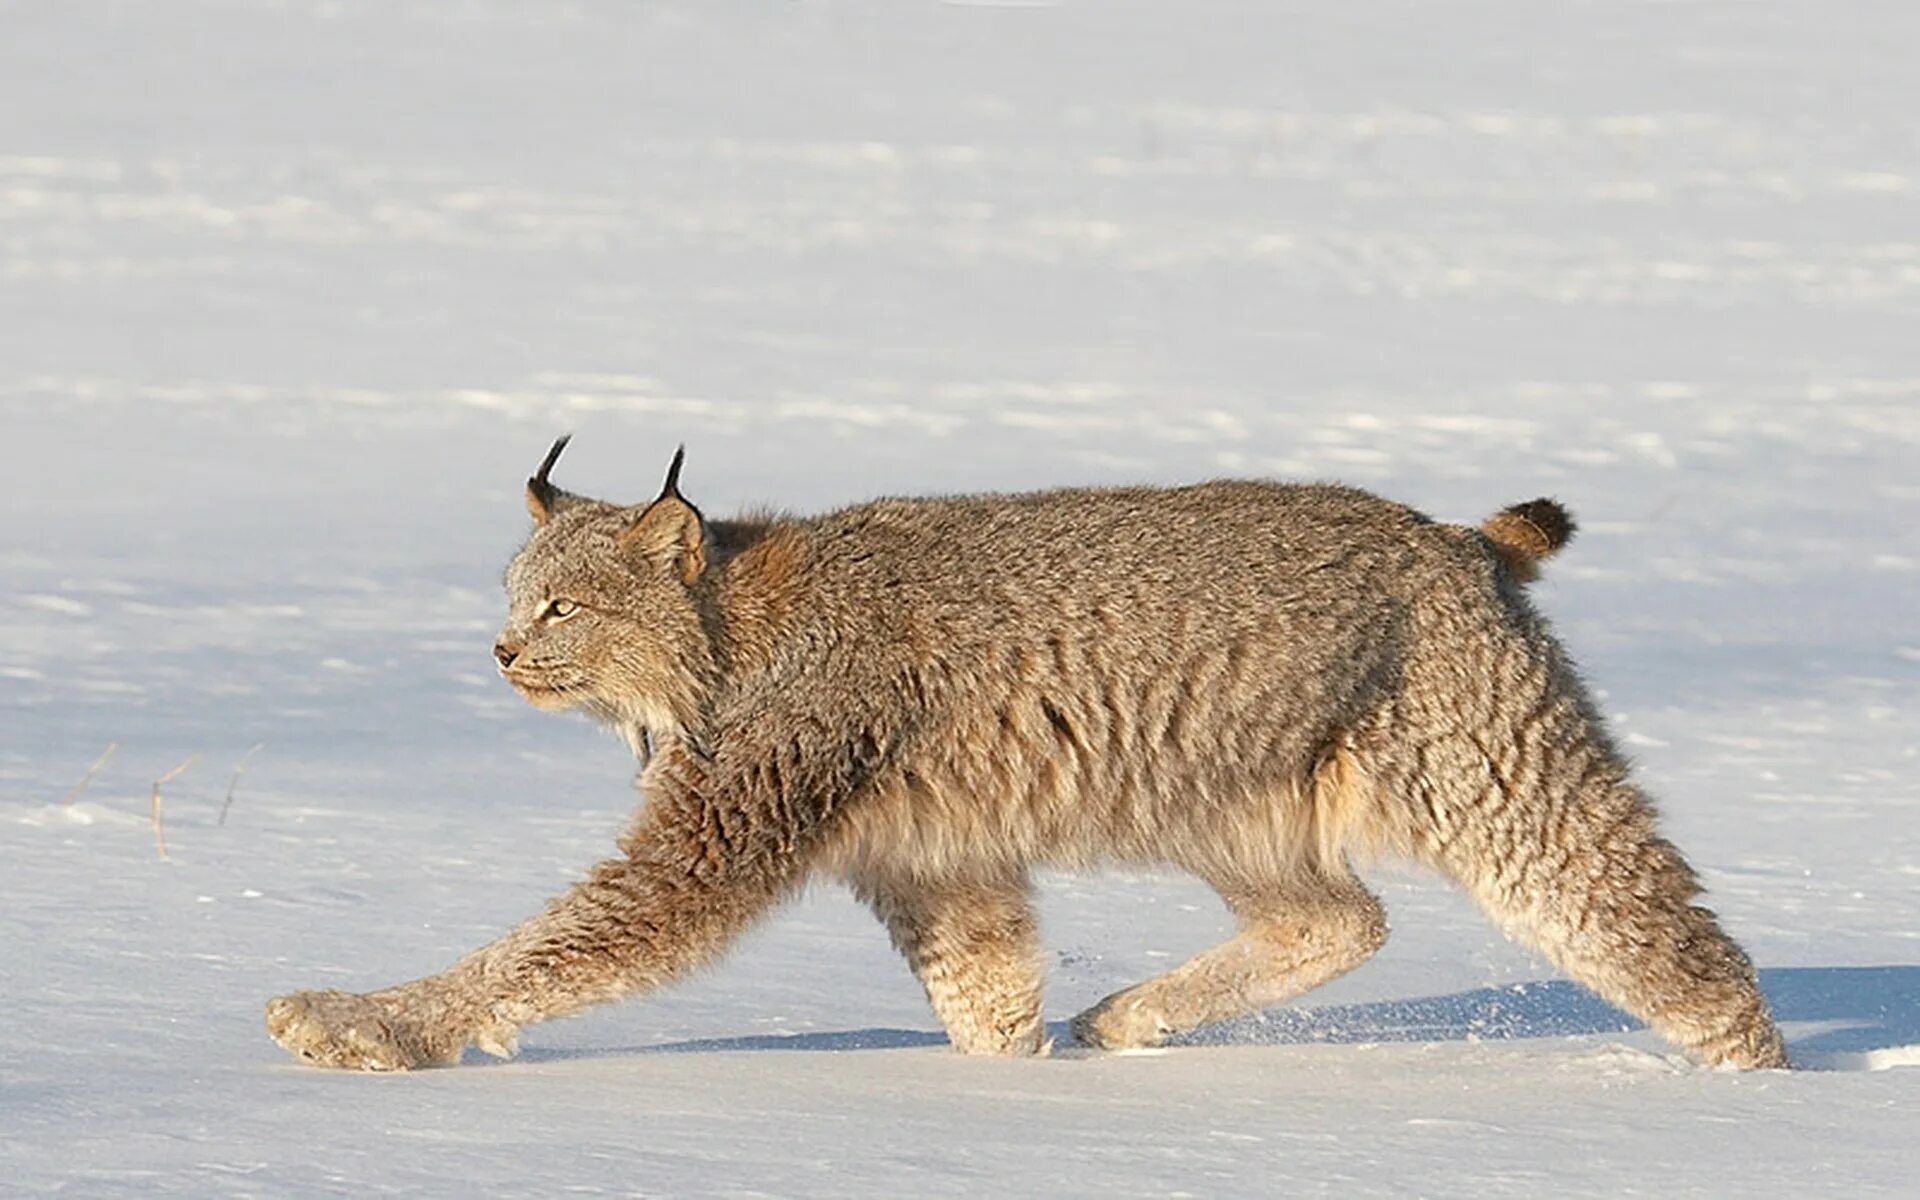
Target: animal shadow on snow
x: 1855, y: 1010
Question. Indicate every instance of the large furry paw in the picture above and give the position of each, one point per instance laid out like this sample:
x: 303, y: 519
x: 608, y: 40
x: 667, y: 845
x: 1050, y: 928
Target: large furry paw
x: 1123, y: 1021
x: 358, y: 1033
x: 1025, y: 1040
x: 1756, y: 1046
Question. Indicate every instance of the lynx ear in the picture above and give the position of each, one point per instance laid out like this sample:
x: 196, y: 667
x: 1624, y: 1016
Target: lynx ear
x: 671, y: 531
x: 544, y: 499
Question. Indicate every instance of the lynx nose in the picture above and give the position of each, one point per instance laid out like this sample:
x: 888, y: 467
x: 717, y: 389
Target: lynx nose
x: 505, y: 654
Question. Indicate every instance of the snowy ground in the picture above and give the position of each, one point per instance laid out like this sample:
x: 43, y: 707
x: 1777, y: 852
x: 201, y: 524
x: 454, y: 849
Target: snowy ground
x: 293, y: 294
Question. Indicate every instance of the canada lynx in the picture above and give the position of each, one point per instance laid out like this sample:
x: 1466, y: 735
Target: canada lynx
x: 926, y: 698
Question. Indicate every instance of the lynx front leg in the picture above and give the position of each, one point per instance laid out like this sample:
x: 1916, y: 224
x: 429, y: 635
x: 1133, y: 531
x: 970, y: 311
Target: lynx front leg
x: 975, y: 949
x: 394, y: 1030
x: 694, y: 875
x: 1293, y: 938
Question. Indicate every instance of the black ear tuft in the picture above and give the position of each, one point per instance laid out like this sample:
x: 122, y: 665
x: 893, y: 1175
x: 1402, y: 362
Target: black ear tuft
x: 671, y: 530
x: 672, y: 487
x: 542, y: 496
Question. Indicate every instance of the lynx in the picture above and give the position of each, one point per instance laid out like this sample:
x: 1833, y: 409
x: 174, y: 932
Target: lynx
x: 926, y: 698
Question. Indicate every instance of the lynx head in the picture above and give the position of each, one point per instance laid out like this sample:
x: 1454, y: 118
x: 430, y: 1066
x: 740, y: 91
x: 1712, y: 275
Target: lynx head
x: 601, y: 611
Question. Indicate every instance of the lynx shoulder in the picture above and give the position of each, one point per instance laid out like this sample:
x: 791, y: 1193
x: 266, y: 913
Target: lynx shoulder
x: 927, y: 698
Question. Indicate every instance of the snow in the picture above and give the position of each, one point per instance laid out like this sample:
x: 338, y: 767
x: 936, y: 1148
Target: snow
x: 294, y: 294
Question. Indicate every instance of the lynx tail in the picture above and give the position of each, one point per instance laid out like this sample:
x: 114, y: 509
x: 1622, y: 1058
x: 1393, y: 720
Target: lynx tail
x: 1525, y: 535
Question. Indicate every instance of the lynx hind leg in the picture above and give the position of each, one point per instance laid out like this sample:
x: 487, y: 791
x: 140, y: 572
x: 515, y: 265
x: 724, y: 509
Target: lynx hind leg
x: 1545, y: 831
x: 975, y: 947
x: 1294, y: 936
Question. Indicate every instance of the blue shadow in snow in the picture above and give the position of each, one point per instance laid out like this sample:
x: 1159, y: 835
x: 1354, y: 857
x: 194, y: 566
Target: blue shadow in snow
x: 1872, y: 1007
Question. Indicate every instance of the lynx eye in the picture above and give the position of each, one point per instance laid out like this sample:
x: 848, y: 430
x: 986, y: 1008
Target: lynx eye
x: 558, y: 610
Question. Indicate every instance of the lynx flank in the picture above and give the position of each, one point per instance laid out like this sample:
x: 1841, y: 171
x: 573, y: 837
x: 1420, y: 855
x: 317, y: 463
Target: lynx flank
x: 927, y: 698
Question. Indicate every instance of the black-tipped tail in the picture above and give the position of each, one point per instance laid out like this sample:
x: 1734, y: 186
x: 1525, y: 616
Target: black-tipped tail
x: 1528, y: 534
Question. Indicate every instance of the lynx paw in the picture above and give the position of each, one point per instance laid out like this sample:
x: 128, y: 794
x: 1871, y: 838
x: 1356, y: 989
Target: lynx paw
x: 356, y: 1033
x: 1754, y: 1046
x: 1026, y: 1040
x: 1123, y: 1021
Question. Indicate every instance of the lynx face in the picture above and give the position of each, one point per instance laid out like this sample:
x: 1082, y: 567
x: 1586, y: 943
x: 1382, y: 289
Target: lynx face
x: 562, y: 621
x: 600, y: 612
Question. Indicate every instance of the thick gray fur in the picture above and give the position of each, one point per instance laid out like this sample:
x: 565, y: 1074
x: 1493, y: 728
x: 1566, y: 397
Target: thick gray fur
x: 926, y: 698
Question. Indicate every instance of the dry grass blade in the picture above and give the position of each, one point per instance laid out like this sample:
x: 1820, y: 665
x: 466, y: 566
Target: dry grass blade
x: 93, y: 770
x: 159, y: 827
x: 235, y: 781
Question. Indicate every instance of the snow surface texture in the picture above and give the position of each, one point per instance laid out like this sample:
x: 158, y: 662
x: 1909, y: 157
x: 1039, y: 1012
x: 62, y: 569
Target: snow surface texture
x: 293, y: 295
